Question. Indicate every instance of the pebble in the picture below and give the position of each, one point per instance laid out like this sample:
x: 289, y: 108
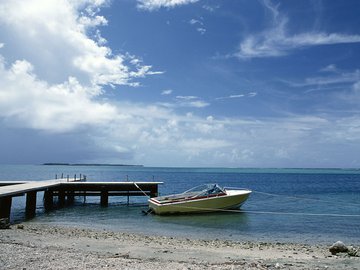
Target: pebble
x: 338, y: 247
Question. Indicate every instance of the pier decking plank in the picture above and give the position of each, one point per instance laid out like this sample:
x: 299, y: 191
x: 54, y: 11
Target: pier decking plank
x: 8, y: 183
x: 17, y: 189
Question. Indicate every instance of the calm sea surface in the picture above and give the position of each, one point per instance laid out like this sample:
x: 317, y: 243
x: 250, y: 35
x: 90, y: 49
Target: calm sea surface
x: 287, y: 205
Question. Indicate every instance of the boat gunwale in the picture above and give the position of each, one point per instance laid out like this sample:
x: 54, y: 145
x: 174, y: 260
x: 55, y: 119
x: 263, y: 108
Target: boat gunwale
x: 188, y: 199
x: 209, y: 197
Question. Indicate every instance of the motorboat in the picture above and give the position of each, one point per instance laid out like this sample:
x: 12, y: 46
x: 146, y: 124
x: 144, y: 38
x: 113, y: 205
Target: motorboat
x: 203, y: 198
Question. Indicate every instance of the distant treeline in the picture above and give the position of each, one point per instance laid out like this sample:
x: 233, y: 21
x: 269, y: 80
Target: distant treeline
x: 88, y: 164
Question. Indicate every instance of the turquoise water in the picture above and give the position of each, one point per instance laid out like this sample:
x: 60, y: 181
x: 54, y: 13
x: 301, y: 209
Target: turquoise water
x: 287, y: 205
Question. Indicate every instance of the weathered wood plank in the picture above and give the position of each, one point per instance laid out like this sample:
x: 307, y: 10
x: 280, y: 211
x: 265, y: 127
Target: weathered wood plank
x: 13, y: 190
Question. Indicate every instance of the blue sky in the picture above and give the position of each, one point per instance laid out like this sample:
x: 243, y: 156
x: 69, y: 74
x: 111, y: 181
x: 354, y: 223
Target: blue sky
x: 233, y: 83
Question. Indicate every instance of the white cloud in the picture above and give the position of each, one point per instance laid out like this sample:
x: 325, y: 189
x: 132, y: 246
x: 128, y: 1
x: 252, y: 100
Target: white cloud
x: 200, y: 25
x: 276, y: 41
x: 210, y: 8
x: 190, y: 101
x: 341, y: 78
x: 30, y: 102
x: 231, y: 97
x: 195, y: 104
x: 351, y: 96
x: 208, y: 126
x: 201, y: 30
x: 250, y: 94
x: 185, y: 101
x: 336, y: 77
x: 194, y: 141
x: 52, y: 71
x: 157, y: 4
x: 69, y: 50
x: 167, y: 92
x: 186, y: 97
x: 329, y: 68
x: 195, y: 21
x: 340, y: 86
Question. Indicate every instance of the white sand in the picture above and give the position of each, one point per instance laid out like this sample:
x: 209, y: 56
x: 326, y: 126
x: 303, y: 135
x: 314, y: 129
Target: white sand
x: 41, y: 246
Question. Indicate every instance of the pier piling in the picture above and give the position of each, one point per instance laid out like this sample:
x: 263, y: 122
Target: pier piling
x: 104, y: 199
x: 5, y: 207
x: 61, y: 198
x: 48, y: 200
x: 30, y: 204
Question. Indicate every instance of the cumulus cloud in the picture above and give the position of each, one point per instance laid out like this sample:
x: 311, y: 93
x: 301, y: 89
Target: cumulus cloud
x: 276, y: 41
x: 151, y: 5
x: 33, y: 103
x: 53, y: 71
x: 62, y: 33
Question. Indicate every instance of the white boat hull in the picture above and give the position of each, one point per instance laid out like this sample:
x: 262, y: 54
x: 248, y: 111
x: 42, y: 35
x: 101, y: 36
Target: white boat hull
x: 232, y: 200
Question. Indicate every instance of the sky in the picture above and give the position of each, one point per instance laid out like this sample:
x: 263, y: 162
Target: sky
x: 195, y: 83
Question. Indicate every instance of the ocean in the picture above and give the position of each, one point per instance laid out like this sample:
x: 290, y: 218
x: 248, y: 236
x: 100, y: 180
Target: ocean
x: 287, y: 205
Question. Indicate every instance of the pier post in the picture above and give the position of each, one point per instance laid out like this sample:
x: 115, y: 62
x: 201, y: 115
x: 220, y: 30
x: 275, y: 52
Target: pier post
x: 30, y: 204
x: 5, y: 207
x: 61, y: 198
x: 154, y: 191
x: 48, y: 200
x: 70, y: 197
x: 104, y: 200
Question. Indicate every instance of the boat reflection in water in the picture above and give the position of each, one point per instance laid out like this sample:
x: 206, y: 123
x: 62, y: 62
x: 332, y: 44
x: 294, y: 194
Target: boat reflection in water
x: 203, y: 198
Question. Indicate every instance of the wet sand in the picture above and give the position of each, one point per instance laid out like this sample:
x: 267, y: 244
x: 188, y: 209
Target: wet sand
x: 42, y: 246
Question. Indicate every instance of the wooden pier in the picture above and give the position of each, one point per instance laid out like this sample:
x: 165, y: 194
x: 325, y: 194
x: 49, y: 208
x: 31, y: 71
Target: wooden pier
x: 66, y: 190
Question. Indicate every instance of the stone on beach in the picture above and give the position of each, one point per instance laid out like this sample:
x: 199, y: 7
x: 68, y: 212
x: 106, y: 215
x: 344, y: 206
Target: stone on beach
x: 4, y: 223
x: 338, y: 247
x: 353, y: 252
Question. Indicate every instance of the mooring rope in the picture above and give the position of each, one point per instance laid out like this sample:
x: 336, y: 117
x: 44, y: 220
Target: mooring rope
x: 136, y: 185
x: 305, y: 198
x: 301, y: 198
x: 267, y: 212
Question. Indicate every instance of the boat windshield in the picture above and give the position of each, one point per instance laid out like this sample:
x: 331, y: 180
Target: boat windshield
x: 205, y: 190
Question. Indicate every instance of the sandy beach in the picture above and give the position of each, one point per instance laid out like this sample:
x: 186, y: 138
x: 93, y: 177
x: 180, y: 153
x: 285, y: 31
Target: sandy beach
x: 41, y: 246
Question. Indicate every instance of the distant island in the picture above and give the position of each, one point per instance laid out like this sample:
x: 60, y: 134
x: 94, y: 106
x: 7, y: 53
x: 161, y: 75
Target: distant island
x: 89, y: 164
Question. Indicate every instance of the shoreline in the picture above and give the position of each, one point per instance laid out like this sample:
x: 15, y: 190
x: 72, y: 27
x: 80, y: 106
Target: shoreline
x: 44, y: 246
